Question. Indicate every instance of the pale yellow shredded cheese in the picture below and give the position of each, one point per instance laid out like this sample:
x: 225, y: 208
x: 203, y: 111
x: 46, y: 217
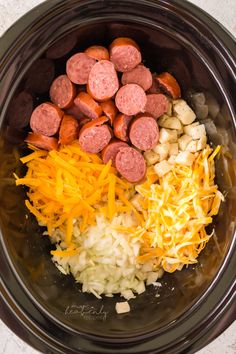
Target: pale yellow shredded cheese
x: 180, y: 205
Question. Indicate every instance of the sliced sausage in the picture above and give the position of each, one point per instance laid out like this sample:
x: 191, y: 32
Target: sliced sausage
x: 121, y: 126
x: 46, y: 119
x: 78, y: 68
x: 131, y: 99
x: 42, y: 141
x: 103, y: 81
x: 155, y: 87
x: 144, y: 132
x: 157, y: 104
x: 62, y: 47
x: 88, y: 106
x: 169, y: 85
x: 131, y: 164
x: 97, y: 52
x: 83, y: 121
x: 40, y: 76
x: 94, y: 136
x: 109, y: 109
x: 125, y: 54
x: 111, y: 150
x: 140, y: 75
x: 74, y: 110
x: 69, y: 130
x: 20, y: 110
x: 62, y: 91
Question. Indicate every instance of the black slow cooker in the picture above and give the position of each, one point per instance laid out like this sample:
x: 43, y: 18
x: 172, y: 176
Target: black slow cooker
x: 41, y: 305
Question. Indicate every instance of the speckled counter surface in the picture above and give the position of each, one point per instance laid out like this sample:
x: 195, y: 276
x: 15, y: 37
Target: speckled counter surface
x: 225, y: 12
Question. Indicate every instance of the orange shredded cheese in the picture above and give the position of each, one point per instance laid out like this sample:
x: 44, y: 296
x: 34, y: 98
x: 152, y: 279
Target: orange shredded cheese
x: 180, y: 205
x: 68, y: 184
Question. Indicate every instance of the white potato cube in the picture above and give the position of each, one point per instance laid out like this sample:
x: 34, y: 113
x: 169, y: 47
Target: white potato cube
x: 180, y: 132
x: 192, y: 146
x: 196, y: 132
x: 169, y: 110
x: 172, y: 159
x: 167, y: 136
x: 169, y: 122
x: 122, y: 307
x: 162, y: 168
x: 174, y: 149
x: 162, y: 150
x: 183, y: 112
x: 151, y: 157
x: 185, y: 158
x: 183, y: 141
x: 201, y: 143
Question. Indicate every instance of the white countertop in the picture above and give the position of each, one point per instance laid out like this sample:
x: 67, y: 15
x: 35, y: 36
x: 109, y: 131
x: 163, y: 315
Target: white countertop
x: 225, y: 12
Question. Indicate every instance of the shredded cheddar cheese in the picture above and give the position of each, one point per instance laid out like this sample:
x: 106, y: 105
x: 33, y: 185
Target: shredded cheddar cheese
x: 68, y: 184
x: 180, y: 206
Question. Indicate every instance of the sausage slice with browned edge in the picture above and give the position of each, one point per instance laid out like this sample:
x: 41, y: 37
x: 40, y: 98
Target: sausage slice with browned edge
x: 97, y: 52
x: 121, y: 126
x: 95, y: 136
x: 110, y: 110
x: 157, y: 104
x: 131, y: 99
x: 131, y: 164
x: 169, y: 85
x: 144, y: 132
x: 78, y: 68
x: 69, y: 130
x: 46, y: 119
x: 140, y: 75
x: 74, y: 111
x: 112, y: 149
x: 88, y: 106
x: 154, y: 87
x: 125, y: 54
x: 42, y: 141
x: 62, y: 91
x: 103, y: 81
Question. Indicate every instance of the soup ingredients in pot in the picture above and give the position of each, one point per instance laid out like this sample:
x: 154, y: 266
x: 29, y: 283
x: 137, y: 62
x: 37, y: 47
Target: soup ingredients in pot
x: 120, y: 173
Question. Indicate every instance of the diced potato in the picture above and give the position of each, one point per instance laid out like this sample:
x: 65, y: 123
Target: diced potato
x: 183, y: 112
x: 169, y: 110
x: 185, y: 158
x: 174, y: 149
x: 162, y: 150
x: 136, y: 202
x: 122, y: 307
x: 196, y: 132
x: 169, y: 122
x: 151, y: 157
x: 172, y: 159
x: 192, y: 146
x: 180, y: 132
x: 201, y: 143
x: 167, y: 136
x: 183, y: 141
x: 162, y: 168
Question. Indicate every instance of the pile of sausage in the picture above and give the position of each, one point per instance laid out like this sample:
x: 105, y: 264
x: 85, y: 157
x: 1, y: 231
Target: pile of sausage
x: 110, y: 102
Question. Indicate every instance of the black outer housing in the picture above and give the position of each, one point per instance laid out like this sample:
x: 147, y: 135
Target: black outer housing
x: 214, y: 309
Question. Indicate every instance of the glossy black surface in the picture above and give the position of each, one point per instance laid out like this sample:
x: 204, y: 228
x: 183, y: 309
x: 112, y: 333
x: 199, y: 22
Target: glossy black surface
x: 193, y: 304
